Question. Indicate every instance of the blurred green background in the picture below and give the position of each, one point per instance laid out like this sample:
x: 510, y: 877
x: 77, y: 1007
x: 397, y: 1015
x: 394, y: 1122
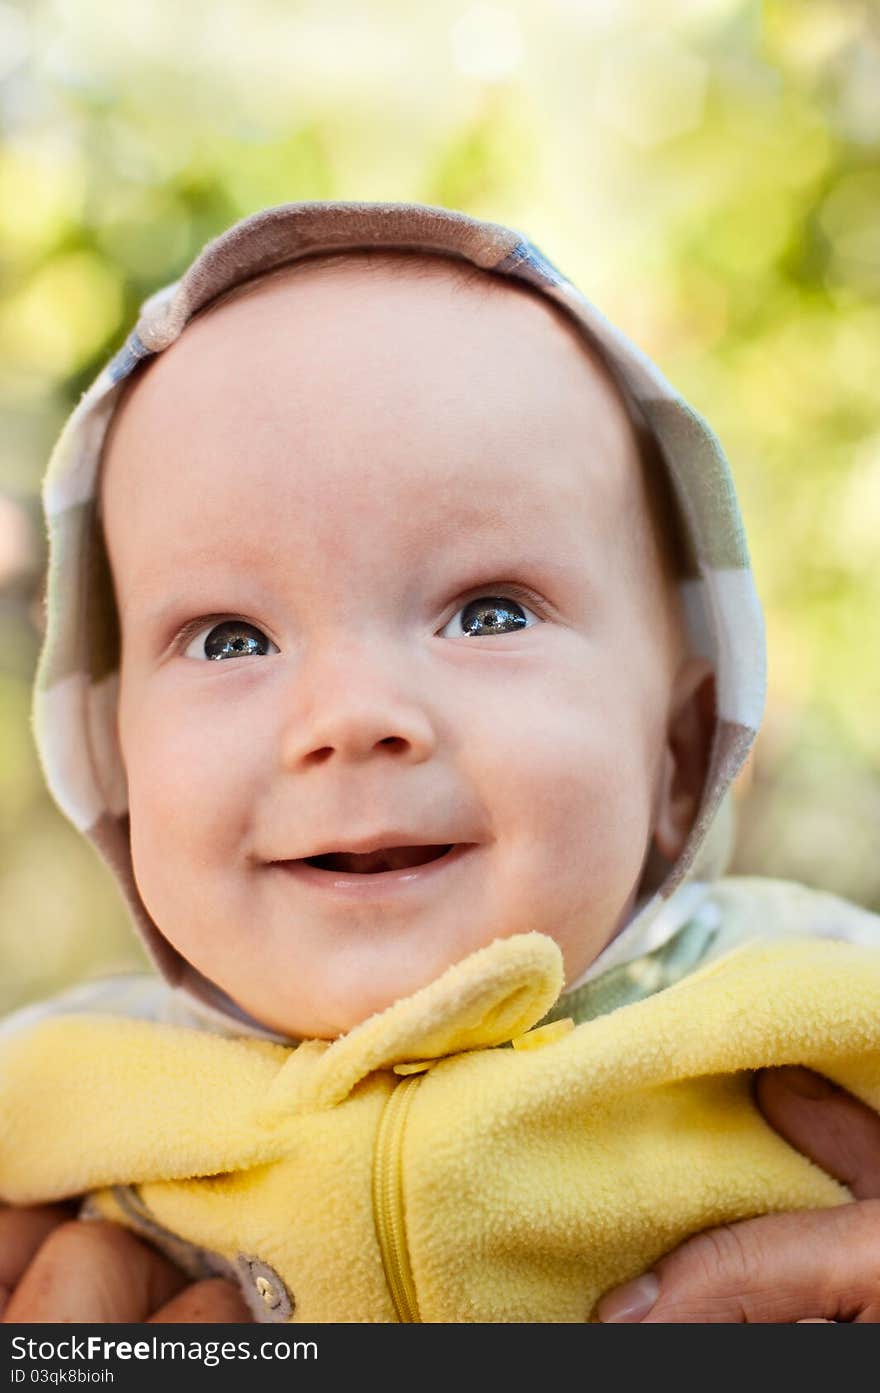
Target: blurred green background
x: 708, y: 174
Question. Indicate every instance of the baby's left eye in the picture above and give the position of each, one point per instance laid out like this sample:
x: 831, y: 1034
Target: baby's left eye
x: 231, y: 638
x: 489, y: 614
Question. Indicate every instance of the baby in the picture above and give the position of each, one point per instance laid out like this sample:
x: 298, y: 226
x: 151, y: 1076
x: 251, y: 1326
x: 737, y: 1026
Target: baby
x: 402, y: 664
x: 402, y: 650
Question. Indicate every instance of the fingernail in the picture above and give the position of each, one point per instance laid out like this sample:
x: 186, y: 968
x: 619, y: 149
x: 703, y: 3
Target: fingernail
x: 805, y: 1083
x: 630, y: 1302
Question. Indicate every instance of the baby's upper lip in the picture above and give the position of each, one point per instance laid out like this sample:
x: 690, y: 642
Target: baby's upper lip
x: 377, y: 841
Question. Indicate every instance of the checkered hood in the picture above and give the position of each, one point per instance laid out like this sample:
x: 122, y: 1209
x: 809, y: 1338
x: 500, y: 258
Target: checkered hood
x: 74, y: 711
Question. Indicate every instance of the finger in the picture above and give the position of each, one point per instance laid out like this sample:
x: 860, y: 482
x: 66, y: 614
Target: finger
x: 779, y: 1268
x: 837, y: 1131
x: 209, y: 1302
x: 21, y: 1233
x: 93, y: 1271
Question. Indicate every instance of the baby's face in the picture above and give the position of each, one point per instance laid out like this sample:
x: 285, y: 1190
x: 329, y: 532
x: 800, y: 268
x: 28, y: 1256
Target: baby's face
x: 385, y: 579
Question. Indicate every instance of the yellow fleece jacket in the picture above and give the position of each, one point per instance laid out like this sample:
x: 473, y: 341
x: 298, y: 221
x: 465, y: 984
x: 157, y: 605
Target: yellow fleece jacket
x: 420, y: 1168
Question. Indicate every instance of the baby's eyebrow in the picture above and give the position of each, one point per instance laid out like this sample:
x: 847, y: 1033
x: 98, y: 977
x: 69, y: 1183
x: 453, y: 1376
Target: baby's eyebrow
x: 140, y: 604
x: 178, y: 607
x: 456, y: 562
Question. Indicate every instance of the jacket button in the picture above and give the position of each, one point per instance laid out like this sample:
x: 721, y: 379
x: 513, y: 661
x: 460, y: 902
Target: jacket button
x: 264, y: 1291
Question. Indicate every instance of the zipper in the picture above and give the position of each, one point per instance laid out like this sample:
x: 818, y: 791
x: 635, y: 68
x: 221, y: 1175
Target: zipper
x: 389, y: 1209
x: 388, y: 1201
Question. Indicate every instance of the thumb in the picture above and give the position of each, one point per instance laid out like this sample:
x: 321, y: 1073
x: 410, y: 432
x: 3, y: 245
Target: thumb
x: 779, y: 1268
x: 807, y: 1264
x: 837, y: 1131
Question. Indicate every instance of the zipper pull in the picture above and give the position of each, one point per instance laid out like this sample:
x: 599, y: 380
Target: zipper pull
x: 543, y: 1034
x: 420, y: 1066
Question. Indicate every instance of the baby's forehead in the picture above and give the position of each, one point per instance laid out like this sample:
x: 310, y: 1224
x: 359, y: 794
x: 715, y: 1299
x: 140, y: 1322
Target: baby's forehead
x: 373, y: 333
x: 403, y: 369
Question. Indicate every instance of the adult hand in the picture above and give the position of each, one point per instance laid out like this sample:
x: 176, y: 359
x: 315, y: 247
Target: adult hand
x: 807, y: 1265
x: 54, y: 1267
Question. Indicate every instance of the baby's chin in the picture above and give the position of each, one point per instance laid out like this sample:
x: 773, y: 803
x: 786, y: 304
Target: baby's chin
x: 335, y: 1016
x: 333, y: 1003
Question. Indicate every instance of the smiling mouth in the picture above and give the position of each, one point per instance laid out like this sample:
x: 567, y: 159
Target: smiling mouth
x: 390, y: 858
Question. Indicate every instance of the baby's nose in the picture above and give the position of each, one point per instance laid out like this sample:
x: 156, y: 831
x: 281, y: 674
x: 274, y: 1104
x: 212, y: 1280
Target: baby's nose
x: 357, y: 714
x: 355, y: 737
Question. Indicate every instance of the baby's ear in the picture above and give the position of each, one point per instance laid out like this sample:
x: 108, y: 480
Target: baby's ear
x: 685, y: 756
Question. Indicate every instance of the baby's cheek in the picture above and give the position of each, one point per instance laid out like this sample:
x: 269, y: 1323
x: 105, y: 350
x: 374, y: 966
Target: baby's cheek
x: 577, y: 805
x: 565, y: 773
x: 187, y: 788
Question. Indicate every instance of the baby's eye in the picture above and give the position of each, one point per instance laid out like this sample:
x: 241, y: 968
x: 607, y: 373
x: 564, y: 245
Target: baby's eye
x: 489, y: 614
x: 231, y: 638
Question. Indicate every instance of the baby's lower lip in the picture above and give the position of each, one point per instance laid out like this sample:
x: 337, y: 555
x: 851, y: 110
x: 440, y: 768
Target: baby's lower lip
x: 379, y: 885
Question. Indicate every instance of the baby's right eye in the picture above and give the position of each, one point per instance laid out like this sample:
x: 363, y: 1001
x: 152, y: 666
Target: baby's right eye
x: 231, y: 638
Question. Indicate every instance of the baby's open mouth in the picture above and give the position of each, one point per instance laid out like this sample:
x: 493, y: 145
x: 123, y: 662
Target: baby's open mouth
x: 390, y: 858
